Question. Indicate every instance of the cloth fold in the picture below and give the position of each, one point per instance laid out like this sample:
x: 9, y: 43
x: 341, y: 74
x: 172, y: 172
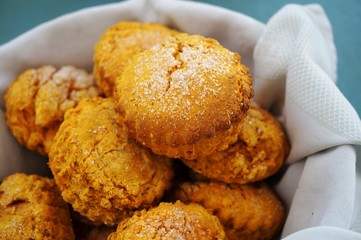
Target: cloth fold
x: 319, y: 120
x: 293, y: 61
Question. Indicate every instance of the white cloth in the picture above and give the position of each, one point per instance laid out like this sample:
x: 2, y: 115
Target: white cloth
x: 295, y: 71
x: 293, y: 60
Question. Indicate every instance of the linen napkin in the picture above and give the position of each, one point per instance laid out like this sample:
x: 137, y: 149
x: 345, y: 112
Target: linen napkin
x: 293, y: 61
x: 320, y: 122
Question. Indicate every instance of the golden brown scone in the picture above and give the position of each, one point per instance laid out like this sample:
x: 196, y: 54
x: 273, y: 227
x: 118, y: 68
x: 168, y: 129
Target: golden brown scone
x: 119, y: 44
x: 37, y: 100
x: 170, y: 221
x: 31, y: 207
x: 260, y: 151
x: 247, y: 211
x: 185, y: 97
x: 104, y: 175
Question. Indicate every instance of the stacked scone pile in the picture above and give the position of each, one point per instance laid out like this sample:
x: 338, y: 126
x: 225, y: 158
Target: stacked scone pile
x: 163, y: 142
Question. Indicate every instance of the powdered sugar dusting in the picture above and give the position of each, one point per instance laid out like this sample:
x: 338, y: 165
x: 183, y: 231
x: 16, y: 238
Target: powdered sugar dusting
x: 180, y: 77
x: 78, y: 77
x: 173, y: 221
x: 44, y: 73
x: 61, y: 90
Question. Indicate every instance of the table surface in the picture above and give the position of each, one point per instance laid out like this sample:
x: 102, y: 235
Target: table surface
x: 18, y: 16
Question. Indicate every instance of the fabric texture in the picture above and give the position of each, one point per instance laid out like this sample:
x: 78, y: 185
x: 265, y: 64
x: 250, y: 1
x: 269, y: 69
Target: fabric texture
x: 293, y: 61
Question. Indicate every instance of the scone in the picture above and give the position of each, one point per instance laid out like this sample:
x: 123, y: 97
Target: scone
x: 170, y: 221
x: 37, y: 100
x: 259, y: 152
x: 31, y: 207
x: 247, y: 211
x: 119, y: 44
x: 102, y: 173
x: 184, y: 98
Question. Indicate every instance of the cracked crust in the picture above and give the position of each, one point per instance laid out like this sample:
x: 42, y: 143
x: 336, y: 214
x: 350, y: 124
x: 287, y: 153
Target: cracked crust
x: 31, y: 207
x: 170, y: 221
x: 119, y: 44
x: 249, y: 211
x: 37, y: 100
x: 102, y: 173
x: 259, y: 152
x: 184, y: 98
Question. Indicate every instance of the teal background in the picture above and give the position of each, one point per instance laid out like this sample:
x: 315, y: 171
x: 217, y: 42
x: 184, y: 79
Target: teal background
x: 18, y: 16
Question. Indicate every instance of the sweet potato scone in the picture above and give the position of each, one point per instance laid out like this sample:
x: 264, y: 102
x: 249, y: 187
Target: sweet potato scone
x: 185, y: 97
x: 37, y: 100
x: 170, y: 221
x: 102, y: 173
x: 31, y: 207
x: 259, y: 152
x: 247, y: 211
x: 119, y: 44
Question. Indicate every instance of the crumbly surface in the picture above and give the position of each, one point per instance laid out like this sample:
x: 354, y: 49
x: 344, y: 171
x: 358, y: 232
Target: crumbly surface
x: 259, y: 152
x: 119, y: 44
x: 248, y: 211
x: 31, y: 207
x: 170, y: 221
x: 102, y: 173
x: 185, y: 97
x: 37, y: 100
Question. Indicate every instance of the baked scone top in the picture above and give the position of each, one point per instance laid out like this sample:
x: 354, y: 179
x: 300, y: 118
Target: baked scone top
x: 31, y: 207
x: 99, y: 170
x: 119, y: 44
x: 170, y: 221
x: 259, y: 152
x: 38, y: 99
x: 184, y: 90
x: 247, y: 211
